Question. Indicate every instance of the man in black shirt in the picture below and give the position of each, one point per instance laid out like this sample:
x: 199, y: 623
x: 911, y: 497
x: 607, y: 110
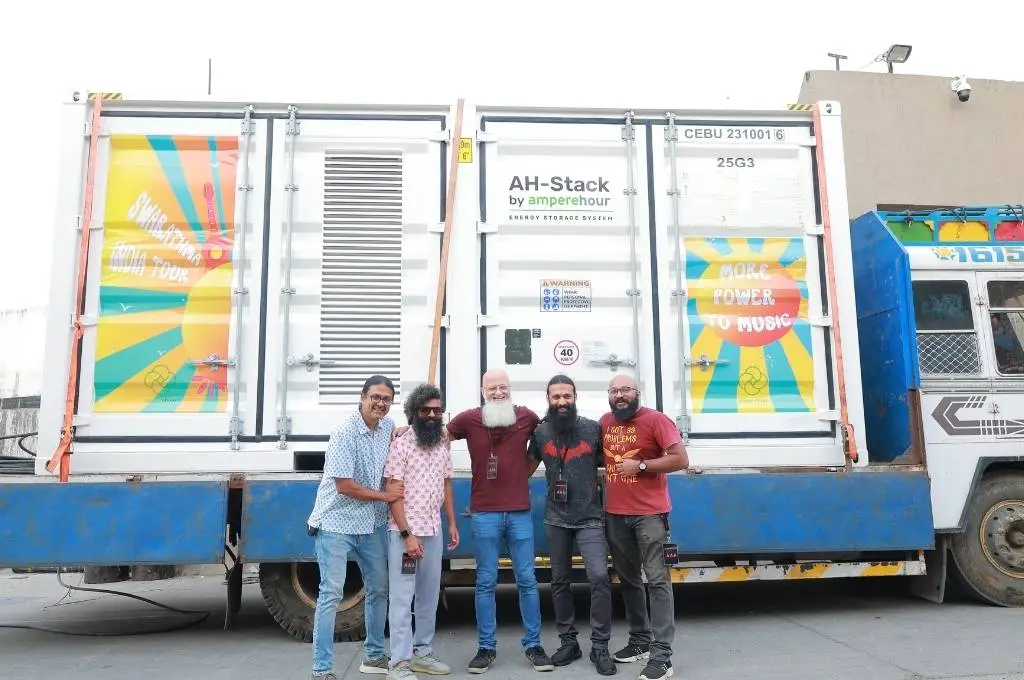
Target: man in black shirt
x: 570, y: 448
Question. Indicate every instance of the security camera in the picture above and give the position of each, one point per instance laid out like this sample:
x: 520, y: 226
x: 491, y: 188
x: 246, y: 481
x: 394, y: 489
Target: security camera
x: 961, y: 87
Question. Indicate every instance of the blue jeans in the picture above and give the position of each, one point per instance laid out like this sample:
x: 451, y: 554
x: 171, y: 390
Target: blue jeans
x: 332, y: 553
x: 516, y: 528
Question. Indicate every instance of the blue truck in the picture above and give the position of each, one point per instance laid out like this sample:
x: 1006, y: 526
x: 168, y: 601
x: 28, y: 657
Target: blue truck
x: 227, y: 274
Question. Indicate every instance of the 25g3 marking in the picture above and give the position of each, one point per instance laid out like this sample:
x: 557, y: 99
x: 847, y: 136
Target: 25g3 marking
x: 734, y: 162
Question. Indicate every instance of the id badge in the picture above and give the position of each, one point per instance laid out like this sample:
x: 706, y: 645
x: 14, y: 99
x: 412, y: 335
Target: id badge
x: 408, y: 564
x: 561, y: 491
x: 671, y: 554
x: 492, y: 467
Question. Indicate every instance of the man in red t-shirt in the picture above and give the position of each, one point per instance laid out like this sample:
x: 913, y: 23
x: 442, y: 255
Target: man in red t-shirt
x: 641, y: 446
x: 497, y: 435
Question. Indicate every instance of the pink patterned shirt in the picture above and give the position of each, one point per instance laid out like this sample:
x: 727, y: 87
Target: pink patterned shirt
x: 424, y: 471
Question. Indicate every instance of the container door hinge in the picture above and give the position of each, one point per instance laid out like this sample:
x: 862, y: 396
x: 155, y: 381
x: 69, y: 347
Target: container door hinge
x: 704, y: 362
x: 284, y: 428
x: 820, y: 321
x: 612, y: 360
x: 684, y: 424
x: 446, y: 321
x: 309, y: 361
x: 235, y: 430
x: 214, y: 362
x: 485, y: 321
x: 94, y: 225
x: 248, y: 124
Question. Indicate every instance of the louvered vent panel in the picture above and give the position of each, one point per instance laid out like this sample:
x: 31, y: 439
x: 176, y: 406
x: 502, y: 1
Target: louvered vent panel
x: 361, y: 286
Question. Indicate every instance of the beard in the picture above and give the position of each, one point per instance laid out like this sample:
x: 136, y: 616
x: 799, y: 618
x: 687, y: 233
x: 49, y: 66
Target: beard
x: 498, y: 414
x: 427, y: 431
x: 562, y: 421
x: 625, y: 411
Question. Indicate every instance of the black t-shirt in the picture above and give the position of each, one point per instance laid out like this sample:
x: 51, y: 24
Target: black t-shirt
x: 576, y: 461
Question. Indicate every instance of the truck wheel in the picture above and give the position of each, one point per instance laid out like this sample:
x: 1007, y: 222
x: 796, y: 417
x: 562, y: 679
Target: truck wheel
x: 290, y: 591
x: 989, y: 554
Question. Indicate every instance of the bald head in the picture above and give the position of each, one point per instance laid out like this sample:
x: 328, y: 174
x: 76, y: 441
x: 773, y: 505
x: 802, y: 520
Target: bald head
x: 623, y: 396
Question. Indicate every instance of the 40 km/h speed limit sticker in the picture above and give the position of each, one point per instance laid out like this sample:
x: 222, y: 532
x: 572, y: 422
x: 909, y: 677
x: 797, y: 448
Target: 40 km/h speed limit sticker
x: 567, y: 352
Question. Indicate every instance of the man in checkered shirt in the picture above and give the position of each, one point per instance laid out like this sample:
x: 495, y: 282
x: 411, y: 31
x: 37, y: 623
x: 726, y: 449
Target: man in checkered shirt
x: 349, y: 518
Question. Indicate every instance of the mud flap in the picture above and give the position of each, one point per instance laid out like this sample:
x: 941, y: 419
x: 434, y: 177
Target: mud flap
x: 932, y: 586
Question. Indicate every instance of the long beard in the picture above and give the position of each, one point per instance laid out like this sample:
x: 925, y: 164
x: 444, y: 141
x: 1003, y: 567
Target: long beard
x: 427, y: 431
x: 562, y: 422
x: 498, y: 414
x: 626, y: 412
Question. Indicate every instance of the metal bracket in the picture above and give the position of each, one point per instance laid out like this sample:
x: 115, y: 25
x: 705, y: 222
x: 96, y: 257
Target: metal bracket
x: 214, y: 360
x: 628, y: 131
x: 87, y: 131
x: 486, y: 228
x: 446, y: 321
x: 820, y: 321
x: 84, y: 320
x: 94, y: 225
x: 705, y: 362
x: 814, y: 230
x: 293, y: 126
x: 235, y: 430
x: 612, y: 361
x: 486, y: 137
x: 440, y: 136
x: 484, y: 320
x: 284, y: 428
x: 248, y: 124
x: 684, y: 424
x: 309, y: 361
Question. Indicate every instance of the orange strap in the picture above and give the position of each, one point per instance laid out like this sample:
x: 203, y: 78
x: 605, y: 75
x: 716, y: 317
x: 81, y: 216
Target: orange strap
x: 449, y: 215
x: 833, y: 302
x: 60, y: 457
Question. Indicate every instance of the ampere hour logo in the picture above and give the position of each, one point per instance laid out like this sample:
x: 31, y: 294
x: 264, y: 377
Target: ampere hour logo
x: 565, y: 197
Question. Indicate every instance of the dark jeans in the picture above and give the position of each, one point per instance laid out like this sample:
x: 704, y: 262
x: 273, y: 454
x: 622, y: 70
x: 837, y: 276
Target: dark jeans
x: 594, y: 550
x: 635, y: 542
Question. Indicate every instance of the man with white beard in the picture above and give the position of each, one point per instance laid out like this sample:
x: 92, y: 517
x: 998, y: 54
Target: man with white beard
x: 497, y: 436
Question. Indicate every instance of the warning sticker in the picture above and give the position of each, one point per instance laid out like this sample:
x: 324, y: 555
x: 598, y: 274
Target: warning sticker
x: 565, y: 295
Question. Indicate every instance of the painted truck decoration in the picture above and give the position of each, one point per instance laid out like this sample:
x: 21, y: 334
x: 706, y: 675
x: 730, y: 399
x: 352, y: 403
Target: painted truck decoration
x: 849, y: 395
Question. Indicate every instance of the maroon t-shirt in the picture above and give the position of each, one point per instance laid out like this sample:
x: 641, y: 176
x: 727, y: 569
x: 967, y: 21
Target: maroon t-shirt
x: 645, y: 436
x: 510, y: 492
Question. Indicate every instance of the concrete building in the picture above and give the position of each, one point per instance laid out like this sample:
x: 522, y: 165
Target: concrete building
x: 912, y: 144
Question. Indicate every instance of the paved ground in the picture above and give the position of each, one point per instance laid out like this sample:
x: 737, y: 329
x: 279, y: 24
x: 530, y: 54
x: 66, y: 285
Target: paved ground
x: 815, y: 631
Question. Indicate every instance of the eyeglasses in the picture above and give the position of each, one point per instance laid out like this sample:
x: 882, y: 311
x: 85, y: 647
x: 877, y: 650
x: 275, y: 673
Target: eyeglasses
x: 377, y: 399
x: 428, y: 411
x: 616, y: 391
x: 495, y: 389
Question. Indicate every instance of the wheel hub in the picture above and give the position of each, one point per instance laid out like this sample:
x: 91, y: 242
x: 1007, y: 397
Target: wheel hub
x: 1002, y: 537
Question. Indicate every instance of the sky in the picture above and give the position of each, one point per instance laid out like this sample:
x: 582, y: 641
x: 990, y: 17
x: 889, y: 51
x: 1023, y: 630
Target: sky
x: 739, y: 54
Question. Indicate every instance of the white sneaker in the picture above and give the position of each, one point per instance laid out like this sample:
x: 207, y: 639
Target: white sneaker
x: 402, y: 672
x: 429, y: 664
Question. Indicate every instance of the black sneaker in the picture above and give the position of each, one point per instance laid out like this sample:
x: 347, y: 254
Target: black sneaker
x: 539, y: 658
x: 602, y: 661
x: 632, y: 652
x: 483, y: 660
x: 657, y: 670
x: 567, y: 653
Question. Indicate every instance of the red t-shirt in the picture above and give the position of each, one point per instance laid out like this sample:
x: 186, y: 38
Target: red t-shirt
x: 510, y: 492
x: 645, y: 436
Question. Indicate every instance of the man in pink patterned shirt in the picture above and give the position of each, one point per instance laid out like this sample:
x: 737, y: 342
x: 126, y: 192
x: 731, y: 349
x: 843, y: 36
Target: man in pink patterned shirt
x: 420, y: 458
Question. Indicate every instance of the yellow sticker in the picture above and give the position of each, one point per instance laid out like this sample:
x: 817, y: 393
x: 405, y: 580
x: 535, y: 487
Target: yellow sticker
x: 465, y: 149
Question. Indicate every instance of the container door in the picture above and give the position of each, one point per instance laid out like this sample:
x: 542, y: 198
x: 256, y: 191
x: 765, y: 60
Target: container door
x: 355, y: 247
x: 743, y: 334
x: 567, y: 285
x: 173, y: 290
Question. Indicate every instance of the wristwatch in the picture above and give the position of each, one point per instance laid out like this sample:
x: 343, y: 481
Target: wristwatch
x: 643, y: 466
x: 404, y: 533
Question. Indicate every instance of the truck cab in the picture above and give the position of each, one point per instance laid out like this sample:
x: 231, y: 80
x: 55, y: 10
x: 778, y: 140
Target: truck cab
x: 940, y: 294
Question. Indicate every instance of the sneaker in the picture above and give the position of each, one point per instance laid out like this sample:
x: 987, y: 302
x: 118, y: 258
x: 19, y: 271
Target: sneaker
x: 539, y: 658
x: 602, y: 661
x: 632, y: 652
x: 657, y: 670
x: 429, y: 664
x: 567, y: 653
x: 402, y: 672
x: 378, y: 666
x: 325, y: 676
x: 483, y: 660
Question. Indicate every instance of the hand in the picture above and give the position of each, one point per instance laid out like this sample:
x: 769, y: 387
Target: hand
x: 629, y: 467
x: 398, y: 432
x: 453, y: 536
x: 394, y: 491
x: 444, y: 433
x: 413, y: 547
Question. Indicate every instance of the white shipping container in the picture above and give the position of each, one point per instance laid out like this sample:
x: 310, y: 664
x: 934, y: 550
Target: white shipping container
x: 22, y: 337
x: 577, y: 236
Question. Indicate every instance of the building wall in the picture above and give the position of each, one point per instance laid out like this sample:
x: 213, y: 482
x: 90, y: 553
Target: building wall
x: 22, y: 340
x: 910, y: 141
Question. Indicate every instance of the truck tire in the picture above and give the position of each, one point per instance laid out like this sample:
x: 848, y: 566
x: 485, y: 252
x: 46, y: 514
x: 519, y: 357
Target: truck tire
x: 290, y: 591
x: 989, y: 554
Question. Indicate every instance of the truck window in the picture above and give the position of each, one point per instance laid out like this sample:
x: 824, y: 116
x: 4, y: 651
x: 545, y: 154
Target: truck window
x: 947, y: 341
x: 1006, y: 314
